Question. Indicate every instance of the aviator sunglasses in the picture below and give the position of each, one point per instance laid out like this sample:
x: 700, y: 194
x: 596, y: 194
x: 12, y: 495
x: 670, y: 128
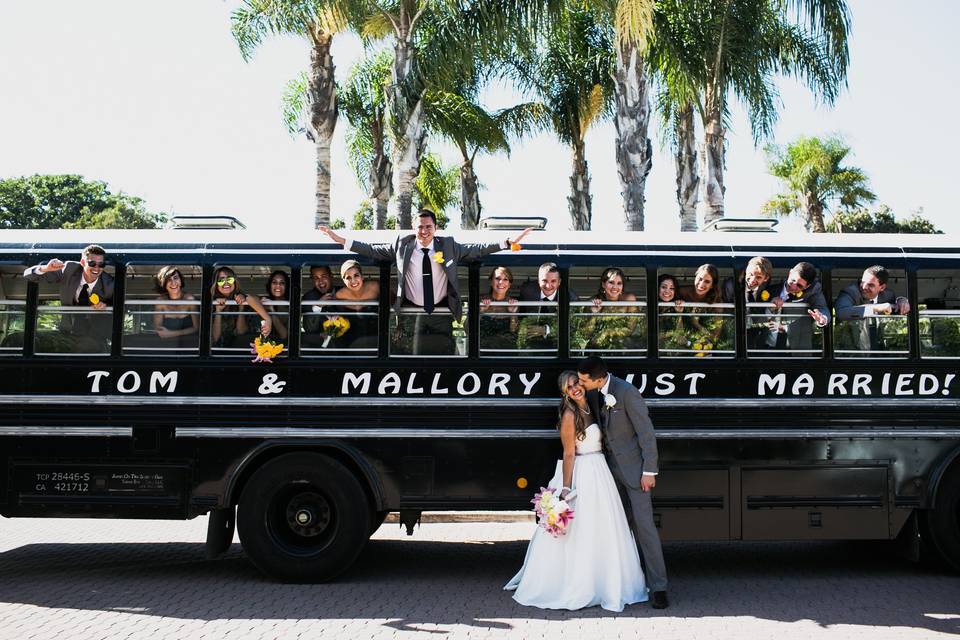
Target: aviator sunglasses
x: 228, y: 280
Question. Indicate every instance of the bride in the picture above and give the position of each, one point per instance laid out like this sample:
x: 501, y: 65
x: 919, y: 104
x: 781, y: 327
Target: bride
x: 596, y: 562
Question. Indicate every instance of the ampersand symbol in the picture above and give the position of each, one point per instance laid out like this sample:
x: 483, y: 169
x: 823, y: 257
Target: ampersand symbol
x: 270, y: 384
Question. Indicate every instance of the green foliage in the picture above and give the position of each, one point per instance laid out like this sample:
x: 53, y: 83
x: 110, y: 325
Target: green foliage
x: 815, y: 179
x: 70, y: 202
x: 338, y: 223
x: 437, y: 187
x: 362, y: 100
x: 882, y: 220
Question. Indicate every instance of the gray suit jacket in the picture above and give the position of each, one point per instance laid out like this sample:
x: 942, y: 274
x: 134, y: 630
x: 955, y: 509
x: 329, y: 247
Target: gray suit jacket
x: 849, y: 305
x: 628, y: 432
x: 400, y: 250
x: 69, y: 278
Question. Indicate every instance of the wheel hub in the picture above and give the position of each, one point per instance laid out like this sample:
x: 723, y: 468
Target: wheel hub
x: 308, y: 514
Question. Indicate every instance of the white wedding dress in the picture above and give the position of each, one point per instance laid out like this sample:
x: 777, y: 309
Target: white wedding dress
x: 596, y: 562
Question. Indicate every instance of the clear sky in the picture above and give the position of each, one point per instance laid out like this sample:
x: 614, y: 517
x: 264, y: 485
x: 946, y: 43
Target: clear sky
x: 154, y: 99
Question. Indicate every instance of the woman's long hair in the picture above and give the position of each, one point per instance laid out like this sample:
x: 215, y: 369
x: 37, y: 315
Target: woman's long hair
x: 714, y: 295
x: 566, y: 404
x: 286, y: 283
x: 608, y: 273
x: 163, y: 276
x: 227, y: 272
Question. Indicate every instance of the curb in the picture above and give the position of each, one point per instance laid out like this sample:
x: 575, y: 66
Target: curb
x: 468, y: 516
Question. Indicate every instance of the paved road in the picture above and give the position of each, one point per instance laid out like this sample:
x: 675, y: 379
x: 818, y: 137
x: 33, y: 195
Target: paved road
x: 85, y: 579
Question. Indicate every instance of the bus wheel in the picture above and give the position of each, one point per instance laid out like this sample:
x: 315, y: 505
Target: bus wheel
x: 943, y: 520
x: 377, y: 519
x: 303, y: 517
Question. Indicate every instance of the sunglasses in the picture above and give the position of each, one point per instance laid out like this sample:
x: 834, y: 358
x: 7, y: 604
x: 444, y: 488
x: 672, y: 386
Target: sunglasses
x: 223, y: 281
x: 95, y: 265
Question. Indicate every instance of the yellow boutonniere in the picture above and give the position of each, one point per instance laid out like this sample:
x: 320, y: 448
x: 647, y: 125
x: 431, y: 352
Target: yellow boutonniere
x: 799, y: 294
x: 438, y: 257
x: 515, y: 246
x: 94, y: 298
x: 764, y: 295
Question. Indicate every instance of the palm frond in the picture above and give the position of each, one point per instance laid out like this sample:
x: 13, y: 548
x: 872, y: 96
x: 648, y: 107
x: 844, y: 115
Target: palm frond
x: 296, y: 103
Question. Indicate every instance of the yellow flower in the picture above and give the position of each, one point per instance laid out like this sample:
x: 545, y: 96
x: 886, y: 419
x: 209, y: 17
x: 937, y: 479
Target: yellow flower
x: 764, y: 295
x: 708, y: 346
x: 799, y: 294
x: 336, y: 326
x: 438, y: 257
x: 697, y: 346
x: 94, y: 298
x: 515, y: 246
x: 266, y: 349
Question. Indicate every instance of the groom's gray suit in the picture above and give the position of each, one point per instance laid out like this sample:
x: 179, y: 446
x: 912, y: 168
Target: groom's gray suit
x: 631, y: 449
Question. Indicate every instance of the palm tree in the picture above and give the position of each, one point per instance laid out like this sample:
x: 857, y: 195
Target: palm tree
x: 569, y: 70
x: 815, y: 178
x: 632, y: 24
x: 363, y: 103
x: 458, y: 116
x: 716, y: 49
x: 317, y: 21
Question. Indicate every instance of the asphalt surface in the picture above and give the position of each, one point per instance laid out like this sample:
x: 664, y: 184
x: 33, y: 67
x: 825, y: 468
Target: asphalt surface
x: 80, y: 579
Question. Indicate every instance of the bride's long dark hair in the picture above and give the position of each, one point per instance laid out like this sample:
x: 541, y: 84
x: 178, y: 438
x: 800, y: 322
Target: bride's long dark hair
x: 567, y: 404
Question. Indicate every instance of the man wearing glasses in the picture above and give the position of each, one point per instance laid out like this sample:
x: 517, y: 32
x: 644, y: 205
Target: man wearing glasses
x: 82, y: 284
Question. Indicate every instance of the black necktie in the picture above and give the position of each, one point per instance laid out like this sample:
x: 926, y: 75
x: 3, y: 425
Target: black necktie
x: 83, y: 298
x: 427, y: 282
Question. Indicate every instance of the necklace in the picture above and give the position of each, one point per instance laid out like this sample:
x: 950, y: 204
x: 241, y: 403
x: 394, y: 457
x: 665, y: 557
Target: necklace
x: 585, y: 412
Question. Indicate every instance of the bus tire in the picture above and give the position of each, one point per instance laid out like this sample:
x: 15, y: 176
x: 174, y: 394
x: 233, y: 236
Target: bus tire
x: 943, y: 520
x: 377, y: 519
x: 303, y: 517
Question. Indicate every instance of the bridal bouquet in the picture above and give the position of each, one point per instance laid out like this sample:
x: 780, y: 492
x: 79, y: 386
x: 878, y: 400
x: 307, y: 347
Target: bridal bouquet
x: 334, y: 327
x: 553, y: 514
x: 265, y: 350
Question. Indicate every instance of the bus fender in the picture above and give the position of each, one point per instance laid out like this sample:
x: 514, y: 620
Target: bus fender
x: 340, y: 451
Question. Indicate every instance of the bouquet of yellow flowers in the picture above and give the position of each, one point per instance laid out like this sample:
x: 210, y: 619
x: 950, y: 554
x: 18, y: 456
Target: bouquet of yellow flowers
x: 334, y: 327
x: 265, y: 350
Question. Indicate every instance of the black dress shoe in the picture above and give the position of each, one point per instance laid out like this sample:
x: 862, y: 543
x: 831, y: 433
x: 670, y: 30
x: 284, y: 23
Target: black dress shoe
x: 659, y: 600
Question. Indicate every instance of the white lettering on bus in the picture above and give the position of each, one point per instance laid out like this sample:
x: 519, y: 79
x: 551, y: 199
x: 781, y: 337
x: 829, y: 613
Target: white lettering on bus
x: 903, y: 385
x: 410, y: 388
x: 861, y: 384
x: 435, y: 387
x: 97, y: 376
x: 528, y: 383
x: 159, y: 380
x: 777, y: 384
x: 665, y: 385
x: 389, y: 381
x: 694, y: 378
x: 122, y: 385
x: 499, y: 381
x: 351, y: 379
x: 462, y: 387
x: 929, y: 384
x: 837, y: 384
x: 803, y: 385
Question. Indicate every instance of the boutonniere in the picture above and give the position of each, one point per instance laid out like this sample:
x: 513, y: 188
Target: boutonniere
x: 609, y: 401
x: 799, y: 294
x: 438, y: 257
x: 94, y: 298
x: 764, y: 295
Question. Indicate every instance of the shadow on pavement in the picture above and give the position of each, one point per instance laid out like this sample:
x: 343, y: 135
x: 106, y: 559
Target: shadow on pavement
x: 412, y: 584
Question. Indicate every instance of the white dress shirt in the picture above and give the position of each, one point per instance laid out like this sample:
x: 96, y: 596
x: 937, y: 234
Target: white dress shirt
x: 90, y: 286
x: 413, y: 276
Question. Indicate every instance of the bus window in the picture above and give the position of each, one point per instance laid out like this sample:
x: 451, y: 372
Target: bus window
x: 13, y: 303
x: 414, y: 332
x: 785, y: 332
x: 162, y: 310
x: 340, y: 309
x: 868, y: 322
x: 938, y: 296
x: 693, y: 321
x: 500, y: 319
x: 76, y: 328
x: 617, y: 326
x: 235, y: 325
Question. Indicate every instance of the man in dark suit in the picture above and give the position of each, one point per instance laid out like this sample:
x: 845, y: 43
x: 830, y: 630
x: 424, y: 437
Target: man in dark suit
x: 630, y: 446
x: 82, y: 284
x: 538, y: 325
x: 427, y: 272
x: 758, y: 287
x: 793, y: 332
x: 860, y: 303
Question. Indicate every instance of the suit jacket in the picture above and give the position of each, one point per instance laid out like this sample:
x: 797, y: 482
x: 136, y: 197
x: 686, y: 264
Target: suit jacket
x: 728, y: 290
x: 454, y: 253
x: 849, y: 305
x: 69, y: 278
x: 631, y: 443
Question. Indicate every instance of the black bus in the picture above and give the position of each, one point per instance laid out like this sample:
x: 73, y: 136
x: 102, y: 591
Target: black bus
x: 849, y: 431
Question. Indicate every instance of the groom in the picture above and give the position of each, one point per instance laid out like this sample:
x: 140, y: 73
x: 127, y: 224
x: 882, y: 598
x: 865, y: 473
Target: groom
x: 631, y: 450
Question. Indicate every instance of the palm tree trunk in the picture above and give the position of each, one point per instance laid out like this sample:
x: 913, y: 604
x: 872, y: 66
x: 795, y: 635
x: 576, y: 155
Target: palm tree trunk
x: 688, y: 181
x: 469, y: 196
x: 815, y: 215
x: 405, y: 107
x: 323, y: 120
x: 579, y: 201
x: 713, y: 152
x: 632, y: 119
x: 380, y: 186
